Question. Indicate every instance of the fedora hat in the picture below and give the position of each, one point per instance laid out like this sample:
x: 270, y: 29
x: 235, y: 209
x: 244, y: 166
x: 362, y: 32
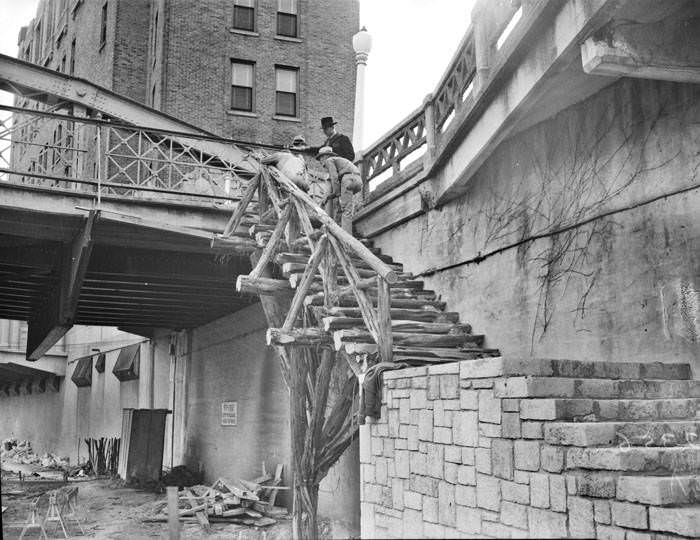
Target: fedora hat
x: 327, y: 121
x: 326, y: 151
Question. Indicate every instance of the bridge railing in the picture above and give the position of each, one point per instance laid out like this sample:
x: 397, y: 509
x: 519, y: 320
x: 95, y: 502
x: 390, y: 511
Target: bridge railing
x: 42, y: 148
x: 419, y: 140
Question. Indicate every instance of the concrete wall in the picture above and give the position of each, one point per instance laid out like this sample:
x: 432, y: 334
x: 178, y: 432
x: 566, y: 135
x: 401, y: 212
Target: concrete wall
x: 625, y: 286
x: 231, y: 362
x: 58, y: 422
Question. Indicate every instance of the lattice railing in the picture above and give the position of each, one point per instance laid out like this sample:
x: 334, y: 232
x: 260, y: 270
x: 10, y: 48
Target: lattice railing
x: 426, y: 129
x: 58, y: 151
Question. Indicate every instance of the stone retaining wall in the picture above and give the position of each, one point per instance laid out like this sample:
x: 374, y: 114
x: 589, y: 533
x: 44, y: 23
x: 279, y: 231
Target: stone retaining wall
x: 449, y: 458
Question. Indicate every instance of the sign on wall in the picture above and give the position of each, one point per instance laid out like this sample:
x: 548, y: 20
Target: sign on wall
x: 229, y: 413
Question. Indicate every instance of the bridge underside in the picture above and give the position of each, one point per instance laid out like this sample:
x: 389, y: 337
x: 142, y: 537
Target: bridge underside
x: 150, y: 267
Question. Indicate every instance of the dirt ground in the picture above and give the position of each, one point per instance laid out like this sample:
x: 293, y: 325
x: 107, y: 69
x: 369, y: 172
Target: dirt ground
x: 113, y: 512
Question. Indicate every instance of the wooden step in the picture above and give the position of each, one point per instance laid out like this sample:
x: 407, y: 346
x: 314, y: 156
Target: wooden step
x: 341, y: 323
x: 340, y: 337
x: 424, y: 315
x: 427, y: 354
x: 287, y: 258
x: 403, y: 281
x: 350, y: 301
x: 295, y: 268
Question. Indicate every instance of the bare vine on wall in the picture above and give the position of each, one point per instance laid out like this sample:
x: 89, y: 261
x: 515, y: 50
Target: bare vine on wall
x: 568, y: 178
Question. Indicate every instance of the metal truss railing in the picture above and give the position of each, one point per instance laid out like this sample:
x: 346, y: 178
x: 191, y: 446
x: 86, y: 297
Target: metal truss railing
x: 43, y: 148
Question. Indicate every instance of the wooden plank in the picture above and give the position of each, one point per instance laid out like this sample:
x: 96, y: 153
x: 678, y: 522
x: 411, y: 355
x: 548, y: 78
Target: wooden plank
x: 316, y: 299
x: 173, y: 517
x: 262, y: 285
x: 300, y: 294
x: 305, y: 225
x: 341, y: 337
x: 271, y: 246
x: 237, y: 216
x: 383, y: 318
x: 300, y: 258
x: 277, y: 480
x: 337, y: 231
x: 298, y: 337
x: 360, y: 296
x: 331, y: 324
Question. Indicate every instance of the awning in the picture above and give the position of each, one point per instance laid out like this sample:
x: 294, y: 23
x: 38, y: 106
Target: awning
x: 100, y: 362
x: 82, y: 374
x: 127, y: 366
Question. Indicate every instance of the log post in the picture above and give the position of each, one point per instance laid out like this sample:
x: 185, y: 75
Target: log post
x: 386, y: 341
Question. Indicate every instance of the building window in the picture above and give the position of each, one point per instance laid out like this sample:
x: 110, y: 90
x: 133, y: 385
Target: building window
x: 72, y: 57
x: 154, y: 41
x: 242, y: 84
x: 244, y: 15
x: 286, y: 91
x: 287, y: 18
x: 103, y: 26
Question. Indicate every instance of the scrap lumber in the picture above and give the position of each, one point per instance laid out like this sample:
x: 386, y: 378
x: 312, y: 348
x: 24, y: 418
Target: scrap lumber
x: 200, y: 514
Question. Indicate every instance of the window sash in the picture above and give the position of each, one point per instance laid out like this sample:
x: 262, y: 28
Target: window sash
x: 286, y: 80
x: 242, y: 74
x: 286, y: 25
x: 287, y: 6
x: 244, y: 18
x: 286, y: 103
x: 103, y: 25
x: 241, y: 98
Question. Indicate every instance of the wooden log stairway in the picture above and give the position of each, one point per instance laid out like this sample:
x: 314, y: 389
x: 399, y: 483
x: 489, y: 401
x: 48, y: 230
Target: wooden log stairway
x: 330, y: 296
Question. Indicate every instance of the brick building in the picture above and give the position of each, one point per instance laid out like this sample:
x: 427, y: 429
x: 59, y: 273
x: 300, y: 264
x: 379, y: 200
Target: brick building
x: 257, y: 70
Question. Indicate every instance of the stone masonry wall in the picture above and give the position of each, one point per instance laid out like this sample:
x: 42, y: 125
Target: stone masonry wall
x: 450, y: 459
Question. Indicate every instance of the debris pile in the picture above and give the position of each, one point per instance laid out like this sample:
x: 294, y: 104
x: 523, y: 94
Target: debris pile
x: 181, y: 477
x: 21, y: 452
x: 246, y: 503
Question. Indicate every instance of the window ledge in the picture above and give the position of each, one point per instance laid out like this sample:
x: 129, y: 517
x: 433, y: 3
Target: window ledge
x: 243, y: 32
x: 234, y: 112
x: 288, y: 38
x: 286, y: 118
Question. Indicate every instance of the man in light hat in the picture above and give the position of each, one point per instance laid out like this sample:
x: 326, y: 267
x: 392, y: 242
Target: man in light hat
x: 345, y: 181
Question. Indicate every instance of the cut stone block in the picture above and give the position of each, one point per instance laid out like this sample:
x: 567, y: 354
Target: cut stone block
x: 684, y: 521
x: 629, y: 515
x: 635, y: 458
x: 488, y: 492
x: 581, y: 523
x: 546, y: 524
x: 626, y: 433
x: 659, y: 490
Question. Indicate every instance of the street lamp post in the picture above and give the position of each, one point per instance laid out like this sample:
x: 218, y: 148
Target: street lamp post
x: 362, y: 43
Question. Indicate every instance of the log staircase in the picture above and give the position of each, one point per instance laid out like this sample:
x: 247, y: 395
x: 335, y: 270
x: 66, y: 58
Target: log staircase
x: 348, y: 296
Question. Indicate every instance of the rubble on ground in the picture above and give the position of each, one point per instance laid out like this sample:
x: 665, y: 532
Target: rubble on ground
x: 21, y: 452
x: 249, y: 503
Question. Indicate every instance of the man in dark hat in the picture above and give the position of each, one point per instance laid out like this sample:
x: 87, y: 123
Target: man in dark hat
x: 340, y: 143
